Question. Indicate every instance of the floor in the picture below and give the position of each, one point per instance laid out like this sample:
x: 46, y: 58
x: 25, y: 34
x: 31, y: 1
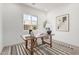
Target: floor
x: 19, y: 49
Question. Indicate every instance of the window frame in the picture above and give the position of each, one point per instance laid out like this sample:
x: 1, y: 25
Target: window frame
x: 26, y: 25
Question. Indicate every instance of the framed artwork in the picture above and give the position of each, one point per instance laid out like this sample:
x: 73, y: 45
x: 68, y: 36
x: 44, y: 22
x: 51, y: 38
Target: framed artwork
x: 62, y: 23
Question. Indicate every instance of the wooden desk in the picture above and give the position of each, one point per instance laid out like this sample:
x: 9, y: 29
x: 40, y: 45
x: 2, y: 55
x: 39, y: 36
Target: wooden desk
x: 33, y: 40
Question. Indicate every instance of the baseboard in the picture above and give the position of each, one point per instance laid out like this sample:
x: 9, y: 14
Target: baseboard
x: 65, y: 44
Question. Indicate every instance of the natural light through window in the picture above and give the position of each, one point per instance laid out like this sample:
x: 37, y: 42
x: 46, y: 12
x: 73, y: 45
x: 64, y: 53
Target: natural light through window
x: 29, y: 20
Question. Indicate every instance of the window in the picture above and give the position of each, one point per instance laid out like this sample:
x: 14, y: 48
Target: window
x: 29, y: 21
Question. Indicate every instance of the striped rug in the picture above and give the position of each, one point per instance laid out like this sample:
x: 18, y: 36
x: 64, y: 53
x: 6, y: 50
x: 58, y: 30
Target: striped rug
x: 20, y: 49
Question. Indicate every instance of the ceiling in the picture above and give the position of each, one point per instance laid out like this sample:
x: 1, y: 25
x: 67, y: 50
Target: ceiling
x: 47, y: 6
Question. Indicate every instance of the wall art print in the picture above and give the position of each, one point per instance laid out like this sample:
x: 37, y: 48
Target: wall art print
x: 62, y: 23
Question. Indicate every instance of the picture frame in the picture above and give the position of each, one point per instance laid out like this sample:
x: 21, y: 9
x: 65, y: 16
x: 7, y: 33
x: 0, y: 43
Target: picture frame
x: 62, y: 23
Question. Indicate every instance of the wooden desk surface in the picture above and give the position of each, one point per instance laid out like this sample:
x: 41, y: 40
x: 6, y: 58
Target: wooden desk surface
x: 35, y: 36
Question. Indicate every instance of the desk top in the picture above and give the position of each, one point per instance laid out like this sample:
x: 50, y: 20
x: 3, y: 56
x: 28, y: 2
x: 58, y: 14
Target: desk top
x: 28, y: 36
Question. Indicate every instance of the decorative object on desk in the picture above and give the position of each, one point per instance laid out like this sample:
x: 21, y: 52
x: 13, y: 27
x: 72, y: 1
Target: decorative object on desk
x: 45, y: 22
x: 49, y: 31
x: 31, y: 30
x: 62, y: 23
x: 48, y: 28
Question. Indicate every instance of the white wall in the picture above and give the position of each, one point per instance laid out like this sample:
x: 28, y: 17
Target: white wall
x: 13, y: 27
x: 0, y: 27
x: 71, y: 37
x: 12, y: 21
